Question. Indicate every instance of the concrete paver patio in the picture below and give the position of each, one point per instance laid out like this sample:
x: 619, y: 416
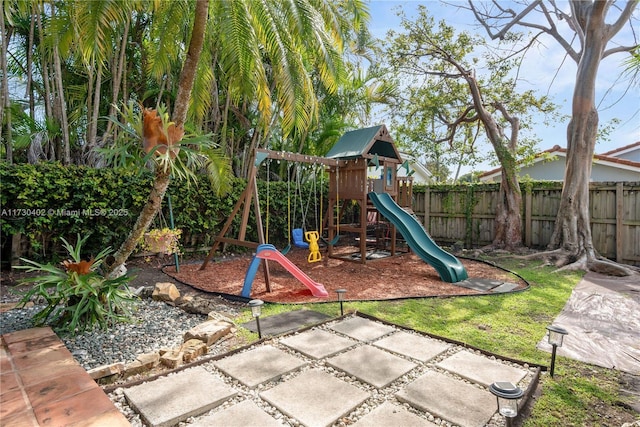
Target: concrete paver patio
x: 339, y: 370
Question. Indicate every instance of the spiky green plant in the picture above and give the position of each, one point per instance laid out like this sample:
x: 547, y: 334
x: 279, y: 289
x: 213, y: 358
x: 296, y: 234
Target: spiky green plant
x: 77, y: 296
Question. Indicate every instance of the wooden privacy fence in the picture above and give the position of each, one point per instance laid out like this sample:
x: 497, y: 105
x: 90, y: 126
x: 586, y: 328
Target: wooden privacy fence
x: 467, y: 214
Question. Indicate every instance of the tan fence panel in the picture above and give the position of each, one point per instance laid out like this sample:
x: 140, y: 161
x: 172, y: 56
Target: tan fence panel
x: 467, y: 214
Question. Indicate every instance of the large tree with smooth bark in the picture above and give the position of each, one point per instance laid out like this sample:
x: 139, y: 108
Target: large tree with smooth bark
x: 593, y: 26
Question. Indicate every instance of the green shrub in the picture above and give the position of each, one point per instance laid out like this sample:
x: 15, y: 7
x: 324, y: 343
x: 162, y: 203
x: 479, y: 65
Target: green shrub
x: 49, y: 201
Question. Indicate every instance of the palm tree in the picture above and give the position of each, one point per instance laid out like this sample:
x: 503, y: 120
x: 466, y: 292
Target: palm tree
x: 164, y: 164
x: 268, y: 57
x: 264, y: 52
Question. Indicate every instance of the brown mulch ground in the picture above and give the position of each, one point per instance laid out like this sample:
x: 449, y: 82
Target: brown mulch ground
x: 403, y: 276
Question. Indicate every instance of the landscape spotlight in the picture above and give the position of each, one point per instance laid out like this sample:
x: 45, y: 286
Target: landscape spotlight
x: 556, y: 335
x: 507, y: 395
x: 341, y: 293
x: 256, y: 310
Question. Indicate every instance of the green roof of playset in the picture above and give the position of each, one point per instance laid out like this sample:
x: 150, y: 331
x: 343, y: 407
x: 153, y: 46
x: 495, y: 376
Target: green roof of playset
x: 365, y: 143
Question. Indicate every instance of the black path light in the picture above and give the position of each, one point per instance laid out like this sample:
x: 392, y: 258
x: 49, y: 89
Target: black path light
x: 341, y: 293
x: 256, y: 310
x: 556, y: 335
x: 507, y: 395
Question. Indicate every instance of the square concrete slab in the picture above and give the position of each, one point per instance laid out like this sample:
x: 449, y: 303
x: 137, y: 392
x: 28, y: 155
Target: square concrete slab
x: 482, y: 285
x: 174, y: 398
x: 362, y: 329
x: 317, y: 343
x: 245, y: 413
x: 481, y: 369
x: 389, y: 414
x: 259, y: 365
x: 450, y: 399
x: 505, y: 287
x: 412, y: 345
x: 286, y: 322
x: 315, y: 398
x: 372, y: 365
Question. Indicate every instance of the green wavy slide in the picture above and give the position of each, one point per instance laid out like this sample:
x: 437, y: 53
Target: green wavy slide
x: 448, y: 267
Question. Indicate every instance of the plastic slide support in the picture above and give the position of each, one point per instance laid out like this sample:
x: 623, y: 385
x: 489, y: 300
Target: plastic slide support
x: 269, y: 252
x: 448, y: 266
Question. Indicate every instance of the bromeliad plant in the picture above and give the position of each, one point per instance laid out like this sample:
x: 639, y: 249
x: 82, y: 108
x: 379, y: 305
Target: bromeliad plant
x: 77, y: 296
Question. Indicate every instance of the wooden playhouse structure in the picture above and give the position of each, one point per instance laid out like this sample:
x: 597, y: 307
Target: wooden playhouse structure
x: 367, y: 160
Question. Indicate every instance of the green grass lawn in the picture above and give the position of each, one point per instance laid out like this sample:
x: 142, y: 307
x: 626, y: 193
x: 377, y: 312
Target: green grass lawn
x: 510, y: 325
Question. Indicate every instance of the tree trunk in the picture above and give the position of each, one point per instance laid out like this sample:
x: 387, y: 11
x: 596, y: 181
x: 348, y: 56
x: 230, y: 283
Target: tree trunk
x: 162, y: 177
x: 5, y: 101
x: 572, y: 231
x: 49, y: 107
x: 118, y: 74
x: 189, y: 69
x: 93, y: 107
x: 508, y: 212
x: 65, y: 155
x: 30, y: 91
x: 508, y: 209
x: 149, y: 211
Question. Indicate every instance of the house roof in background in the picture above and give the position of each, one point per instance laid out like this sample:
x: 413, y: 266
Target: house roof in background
x: 604, y: 159
x: 622, y: 150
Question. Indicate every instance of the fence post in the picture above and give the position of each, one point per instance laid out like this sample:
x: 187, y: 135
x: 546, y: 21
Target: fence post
x: 619, y: 221
x: 527, y: 216
x: 468, y: 211
x: 427, y: 208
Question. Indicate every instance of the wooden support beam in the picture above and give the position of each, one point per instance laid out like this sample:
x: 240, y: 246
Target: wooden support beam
x: 301, y: 158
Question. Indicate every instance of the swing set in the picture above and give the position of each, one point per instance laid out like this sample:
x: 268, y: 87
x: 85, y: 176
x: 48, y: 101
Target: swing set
x: 264, y: 250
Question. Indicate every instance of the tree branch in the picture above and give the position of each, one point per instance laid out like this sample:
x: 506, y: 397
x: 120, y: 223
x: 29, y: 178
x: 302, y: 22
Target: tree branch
x: 619, y: 49
x: 513, y: 121
x: 624, y: 17
x: 517, y: 19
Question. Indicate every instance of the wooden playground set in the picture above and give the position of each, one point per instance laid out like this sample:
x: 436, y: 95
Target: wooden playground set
x: 386, y: 199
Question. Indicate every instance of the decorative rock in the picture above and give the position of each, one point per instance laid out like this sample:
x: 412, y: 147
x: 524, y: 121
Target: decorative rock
x: 106, y: 370
x: 192, y: 349
x: 208, y: 332
x: 214, y: 315
x: 165, y: 291
x: 149, y: 360
x: 195, y: 305
x: 172, y: 358
x: 184, y: 301
x: 135, y: 367
x: 143, y: 291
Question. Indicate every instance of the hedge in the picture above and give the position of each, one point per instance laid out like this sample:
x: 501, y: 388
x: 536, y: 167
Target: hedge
x: 47, y: 201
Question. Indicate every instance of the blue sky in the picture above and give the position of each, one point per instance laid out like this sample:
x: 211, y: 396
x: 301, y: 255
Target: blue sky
x: 616, y: 99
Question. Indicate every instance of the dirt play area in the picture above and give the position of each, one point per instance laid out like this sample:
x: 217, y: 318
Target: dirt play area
x: 401, y: 276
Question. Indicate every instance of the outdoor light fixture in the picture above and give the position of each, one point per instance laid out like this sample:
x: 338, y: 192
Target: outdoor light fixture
x: 556, y: 335
x: 507, y: 395
x: 341, y: 293
x: 256, y: 310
